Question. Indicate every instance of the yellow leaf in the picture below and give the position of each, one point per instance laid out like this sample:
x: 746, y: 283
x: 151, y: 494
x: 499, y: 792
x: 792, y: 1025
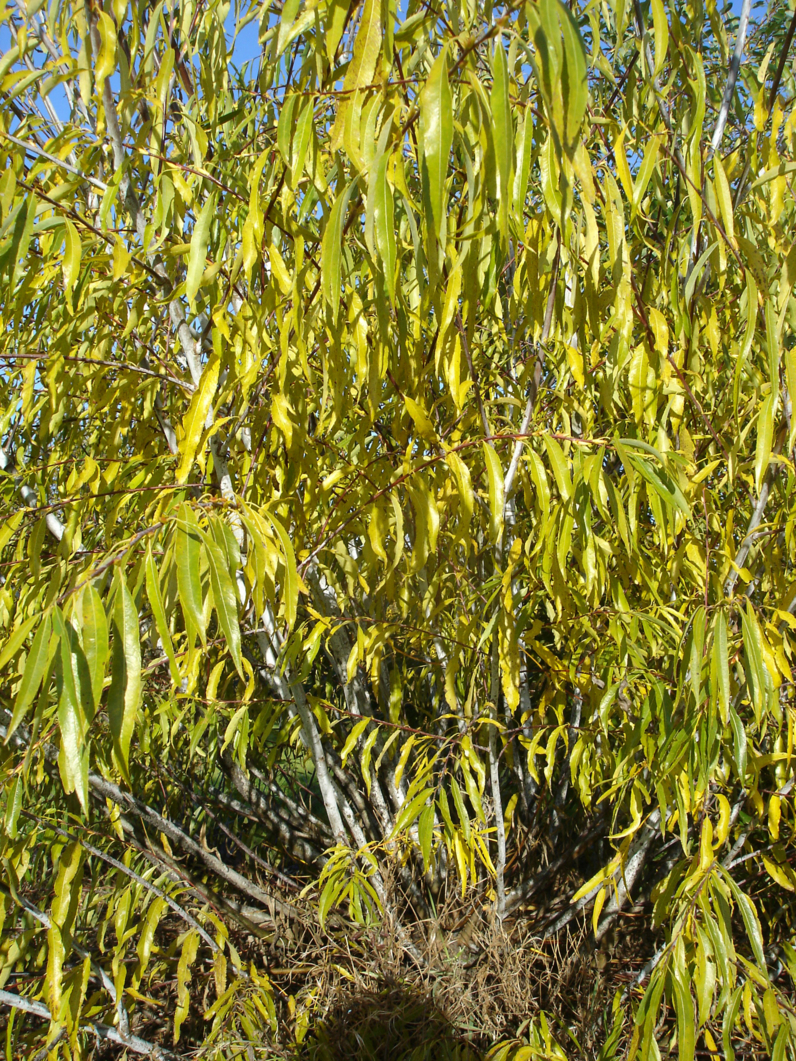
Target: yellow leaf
x: 598, y: 878
x: 575, y: 360
x: 622, y: 168
x: 494, y: 473
x: 362, y: 68
x: 281, y: 413
x: 72, y: 255
x: 723, y: 822
x: 706, y: 845
x: 106, y: 60
x: 774, y: 814
x: 660, y: 330
x: 724, y: 197
x: 464, y: 486
x: 781, y: 873
x: 424, y: 426
x: 661, y: 32
x: 196, y: 418
x: 279, y: 270
x: 599, y: 902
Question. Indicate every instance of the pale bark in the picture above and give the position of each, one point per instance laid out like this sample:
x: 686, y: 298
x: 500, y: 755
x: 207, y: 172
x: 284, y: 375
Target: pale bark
x: 732, y: 77
x: 176, y: 835
x: 54, y: 525
x: 102, y: 1031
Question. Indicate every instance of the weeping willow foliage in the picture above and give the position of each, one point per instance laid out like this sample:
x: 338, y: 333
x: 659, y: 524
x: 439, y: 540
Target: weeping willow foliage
x: 397, y: 503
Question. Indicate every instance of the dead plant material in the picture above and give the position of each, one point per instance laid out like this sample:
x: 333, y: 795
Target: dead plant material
x: 390, y: 1023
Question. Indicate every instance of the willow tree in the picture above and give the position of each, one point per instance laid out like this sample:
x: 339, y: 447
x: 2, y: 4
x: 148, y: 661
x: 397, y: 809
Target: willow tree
x: 397, y: 504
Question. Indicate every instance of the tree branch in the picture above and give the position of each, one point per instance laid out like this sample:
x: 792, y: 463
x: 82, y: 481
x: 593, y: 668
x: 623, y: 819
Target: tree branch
x: 732, y: 77
x: 102, y: 1031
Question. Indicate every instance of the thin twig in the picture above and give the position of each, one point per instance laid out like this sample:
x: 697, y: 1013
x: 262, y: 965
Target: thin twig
x: 781, y: 65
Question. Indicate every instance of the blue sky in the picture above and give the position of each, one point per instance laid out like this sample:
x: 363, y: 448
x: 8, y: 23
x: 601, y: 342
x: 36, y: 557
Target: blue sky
x: 246, y: 47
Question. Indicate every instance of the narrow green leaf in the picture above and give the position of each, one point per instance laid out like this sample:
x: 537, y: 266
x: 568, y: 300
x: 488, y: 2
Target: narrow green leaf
x: 287, y: 18
x: 21, y: 236
x: 765, y: 438
x: 721, y: 664
x: 13, y: 806
x: 189, y: 585
x: 352, y: 738
x: 646, y: 169
x: 337, y: 13
x: 522, y: 166
x: 661, y: 32
x: 301, y: 139
x: 436, y: 136
x: 290, y: 589
x: 106, y: 60
x: 750, y: 919
x: 197, y: 257
x: 494, y: 473
x: 410, y: 811
x: 574, y: 84
x: 739, y: 743
x: 72, y: 759
x: 331, y: 251
x: 32, y: 675
x: 503, y: 130
x: 772, y: 345
x: 225, y: 599
x: 16, y: 640
x: 72, y: 254
x: 686, y: 1018
x: 159, y: 614
x: 464, y: 817
x: 286, y: 126
x: 367, y: 48
x: 124, y: 694
x: 384, y: 224
x: 560, y: 468
x: 665, y: 487
x: 746, y: 342
x: 94, y: 629
x: 425, y: 833
x: 753, y: 655
x: 696, y: 272
x: 465, y: 487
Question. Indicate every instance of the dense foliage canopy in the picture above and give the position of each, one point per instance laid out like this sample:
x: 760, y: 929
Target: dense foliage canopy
x: 398, y: 517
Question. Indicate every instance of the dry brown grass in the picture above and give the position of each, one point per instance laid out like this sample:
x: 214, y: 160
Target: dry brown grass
x: 341, y: 994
